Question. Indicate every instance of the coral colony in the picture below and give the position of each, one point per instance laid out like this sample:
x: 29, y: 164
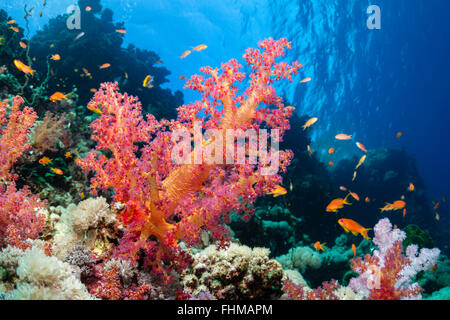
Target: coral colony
x: 159, y: 209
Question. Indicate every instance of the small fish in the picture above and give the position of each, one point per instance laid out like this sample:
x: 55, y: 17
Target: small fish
x: 354, y: 195
x: 436, y: 206
x: 55, y: 57
x: 354, y: 227
x: 433, y: 269
x: 148, y: 82
x: 411, y: 187
x: 319, y: 246
x: 337, y: 204
x: 277, y: 191
x: 40, y: 14
x: 45, y: 160
x: 121, y: 31
x: 88, y: 9
x: 367, y: 199
x: 93, y: 90
x: 342, y: 188
x: 354, y: 250
x: 291, y: 187
x: 402, y: 197
x: 404, y: 212
x: 182, y: 77
x: 82, y: 195
x: 68, y: 155
x: 437, y: 216
x: 15, y: 29
x: 331, y: 163
x: 52, y: 45
x: 361, y: 161
x: 94, y: 108
x: 309, y: 150
x: 104, y: 66
x: 305, y: 80
x: 309, y: 123
x: 23, y: 45
x: 200, y: 47
x: 159, y: 62
x: 79, y: 36
x: 331, y: 151
x: 185, y: 54
x: 11, y: 21
x: 398, y: 135
x: 343, y: 136
x: 361, y: 146
x: 23, y: 67
x: 354, y: 175
x: 57, y: 171
x: 58, y: 96
x: 126, y: 75
x: 396, y: 205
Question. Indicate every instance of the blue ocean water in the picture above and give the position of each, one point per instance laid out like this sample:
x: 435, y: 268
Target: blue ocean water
x: 368, y: 83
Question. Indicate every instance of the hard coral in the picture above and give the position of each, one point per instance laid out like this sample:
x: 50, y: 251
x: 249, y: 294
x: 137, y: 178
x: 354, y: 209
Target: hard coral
x: 235, y: 273
x: 167, y: 202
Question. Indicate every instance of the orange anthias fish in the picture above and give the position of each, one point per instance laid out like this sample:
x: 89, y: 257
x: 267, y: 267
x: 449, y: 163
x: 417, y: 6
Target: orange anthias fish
x: 94, y: 108
x: 200, y: 47
x: 361, y: 161
x: 57, y: 171
x: 354, y: 250
x: 437, y: 216
x: 331, y: 151
x: 58, y: 96
x: 23, y: 67
x: 45, y: 161
x: 343, y: 188
x: 367, y: 199
x: 354, y: 195
x: 411, y: 187
x: 343, y: 136
x: 277, y: 191
x: 337, y: 204
x: 397, y: 205
x: 11, y: 22
x: 121, y: 31
x: 104, y: 66
x: 319, y: 246
x: 23, y: 45
x: 436, y: 206
x: 404, y: 212
x: 309, y: 123
x: 93, y: 90
x: 354, y: 175
x: 309, y: 150
x: 331, y: 163
x: 55, y: 57
x: 15, y: 29
x: 354, y: 227
x: 68, y: 154
x: 361, y: 146
x: 398, y: 135
x: 185, y: 54
x: 305, y: 80
x: 148, y: 82
x: 88, y: 8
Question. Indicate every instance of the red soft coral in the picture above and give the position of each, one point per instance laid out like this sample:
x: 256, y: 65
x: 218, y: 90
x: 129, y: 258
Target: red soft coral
x: 166, y: 201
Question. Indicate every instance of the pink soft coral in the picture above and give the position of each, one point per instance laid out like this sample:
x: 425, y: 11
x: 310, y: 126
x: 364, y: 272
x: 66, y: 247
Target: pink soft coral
x: 387, y: 274
x: 19, y: 219
x: 165, y: 201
